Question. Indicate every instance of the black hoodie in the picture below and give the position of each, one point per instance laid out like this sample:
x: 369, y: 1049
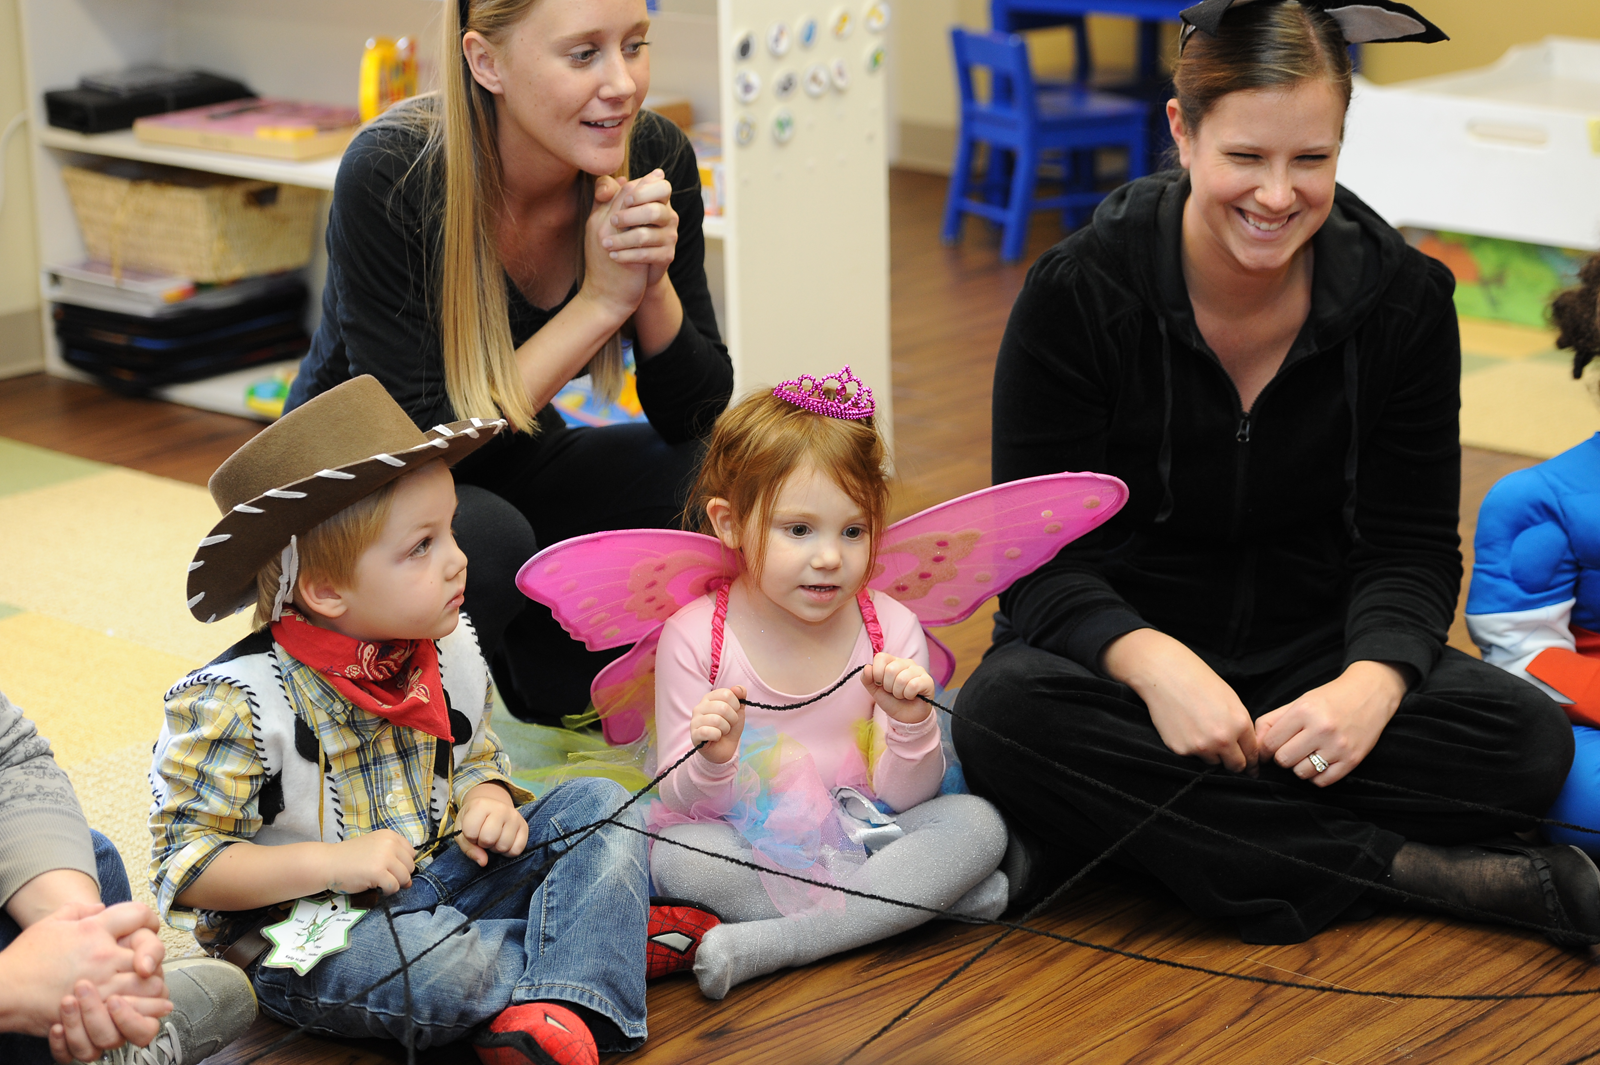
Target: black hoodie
x: 1328, y: 512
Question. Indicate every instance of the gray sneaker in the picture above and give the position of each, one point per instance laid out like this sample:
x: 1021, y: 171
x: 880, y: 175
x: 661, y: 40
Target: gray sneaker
x: 212, y: 1005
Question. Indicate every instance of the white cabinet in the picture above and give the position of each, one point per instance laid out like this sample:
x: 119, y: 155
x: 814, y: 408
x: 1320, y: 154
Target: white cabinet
x: 1511, y: 150
x: 800, y: 260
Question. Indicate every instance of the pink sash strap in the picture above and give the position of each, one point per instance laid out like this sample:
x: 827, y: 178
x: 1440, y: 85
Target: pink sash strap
x: 719, y: 625
x: 869, y: 618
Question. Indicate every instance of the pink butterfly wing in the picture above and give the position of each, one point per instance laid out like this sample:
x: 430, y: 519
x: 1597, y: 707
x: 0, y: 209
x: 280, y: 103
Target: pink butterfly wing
x: 612, y: 588
x: 624, y: 693
x: 941, y: 660
x: 944, y: 562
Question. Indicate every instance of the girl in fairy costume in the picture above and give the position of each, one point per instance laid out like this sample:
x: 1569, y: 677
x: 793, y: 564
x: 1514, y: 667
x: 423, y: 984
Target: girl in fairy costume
x: 794, y: 486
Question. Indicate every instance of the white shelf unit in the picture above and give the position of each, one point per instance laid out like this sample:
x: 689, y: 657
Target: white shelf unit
x: 312, y: 173
x: 798, y: 266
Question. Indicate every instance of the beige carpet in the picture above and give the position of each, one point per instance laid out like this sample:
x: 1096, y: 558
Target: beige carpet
x: 1517, y: 391
x: 93, y: 627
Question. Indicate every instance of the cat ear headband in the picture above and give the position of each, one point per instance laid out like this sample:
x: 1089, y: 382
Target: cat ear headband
x: 1361, y: 21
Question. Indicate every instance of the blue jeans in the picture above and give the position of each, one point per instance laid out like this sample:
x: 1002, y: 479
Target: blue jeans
x: 575, y: 935
x: 30, y: 1050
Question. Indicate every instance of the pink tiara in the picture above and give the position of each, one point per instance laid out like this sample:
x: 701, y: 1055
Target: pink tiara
x: 818, y: 395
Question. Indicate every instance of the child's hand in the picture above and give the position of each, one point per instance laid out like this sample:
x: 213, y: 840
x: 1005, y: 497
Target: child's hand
x: 895, y: 684
x: 489, y: 821
x: 719, y: 720
x: 382, y: 859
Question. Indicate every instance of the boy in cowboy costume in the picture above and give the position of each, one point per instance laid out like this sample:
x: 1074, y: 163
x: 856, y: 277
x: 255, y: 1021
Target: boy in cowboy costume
x: 329, y: 751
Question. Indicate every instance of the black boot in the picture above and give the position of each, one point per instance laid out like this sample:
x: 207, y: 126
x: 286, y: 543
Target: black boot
x: 1556, y: 889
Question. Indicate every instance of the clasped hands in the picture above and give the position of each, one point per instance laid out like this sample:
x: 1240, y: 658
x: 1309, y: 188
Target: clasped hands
x: 633, y: 227
x: 897, y: 686
x: 1197, y: 713
x: 88, y: 978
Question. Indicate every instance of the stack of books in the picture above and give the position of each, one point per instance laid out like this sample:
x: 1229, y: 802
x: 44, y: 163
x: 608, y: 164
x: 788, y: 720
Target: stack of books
x: 137, y: 331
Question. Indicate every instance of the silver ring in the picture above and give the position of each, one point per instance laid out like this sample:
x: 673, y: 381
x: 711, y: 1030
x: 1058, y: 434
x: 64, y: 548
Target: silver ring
x: 1317, y: 762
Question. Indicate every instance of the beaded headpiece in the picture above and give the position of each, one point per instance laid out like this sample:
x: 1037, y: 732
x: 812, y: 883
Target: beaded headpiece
x: 837, y: 395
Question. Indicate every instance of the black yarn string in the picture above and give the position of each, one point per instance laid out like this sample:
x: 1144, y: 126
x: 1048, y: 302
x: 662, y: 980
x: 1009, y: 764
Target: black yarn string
x: 585, y: 831
x: 1482, y: 808
x: 1049, y: 901
x: 1423, y: 901
x: 405, y: 975
x: 1019, y: 926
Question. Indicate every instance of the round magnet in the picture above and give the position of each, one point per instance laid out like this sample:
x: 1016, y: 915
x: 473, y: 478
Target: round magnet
x: 842, y: 22
x: 746, y: 86
x: 841, y: 75
x: 817, y: 80
x: 744, y: 131
x: 782, y: 125
x: 744, y: 47
x: 778, y: 39
x: 875, y: 59
x: 876, y: 18
x: 784, y: 85
x: 808, y: 32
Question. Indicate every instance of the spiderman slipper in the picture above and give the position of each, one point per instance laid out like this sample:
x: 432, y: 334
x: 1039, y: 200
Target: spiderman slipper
x: 676, y: 928
x: 538, y: 1033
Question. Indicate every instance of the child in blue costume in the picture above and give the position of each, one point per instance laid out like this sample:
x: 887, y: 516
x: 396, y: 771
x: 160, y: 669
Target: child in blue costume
x: 1534, y: 605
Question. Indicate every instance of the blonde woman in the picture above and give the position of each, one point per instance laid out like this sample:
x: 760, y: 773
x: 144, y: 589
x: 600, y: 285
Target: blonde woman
x: 492, y: 241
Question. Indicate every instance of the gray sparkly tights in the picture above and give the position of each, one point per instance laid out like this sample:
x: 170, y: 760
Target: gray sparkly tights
x: 947, y: 860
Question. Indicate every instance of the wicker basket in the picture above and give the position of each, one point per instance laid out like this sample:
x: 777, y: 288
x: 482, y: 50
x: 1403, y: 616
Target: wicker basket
x: 202, y: 226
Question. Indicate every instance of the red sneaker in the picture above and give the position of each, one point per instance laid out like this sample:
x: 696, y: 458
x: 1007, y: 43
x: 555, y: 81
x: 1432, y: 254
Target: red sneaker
x: 541, y: 1033
x: 676, y: 928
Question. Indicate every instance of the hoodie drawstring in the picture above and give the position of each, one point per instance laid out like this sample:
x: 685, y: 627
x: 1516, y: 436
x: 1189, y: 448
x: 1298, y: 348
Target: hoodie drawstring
x: 1352, y: 455
x: 1164, y: 458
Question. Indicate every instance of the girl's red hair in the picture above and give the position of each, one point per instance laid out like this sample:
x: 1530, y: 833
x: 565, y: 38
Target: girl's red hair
x: 760, y: 441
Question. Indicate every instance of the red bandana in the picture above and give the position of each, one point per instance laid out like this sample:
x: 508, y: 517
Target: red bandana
x: 398, y: 681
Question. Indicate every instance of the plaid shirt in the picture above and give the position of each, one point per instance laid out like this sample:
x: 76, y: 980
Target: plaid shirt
x: 384, y: 777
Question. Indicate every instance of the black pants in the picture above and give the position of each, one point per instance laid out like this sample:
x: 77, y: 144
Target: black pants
x: 535, y: 491
x: 1469, y: 731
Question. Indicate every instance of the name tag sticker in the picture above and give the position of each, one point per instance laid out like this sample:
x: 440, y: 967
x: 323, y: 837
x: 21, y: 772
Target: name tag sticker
x: 315, y: 928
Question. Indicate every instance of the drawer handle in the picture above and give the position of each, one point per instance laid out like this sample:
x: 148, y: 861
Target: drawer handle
x: 1509, y: 133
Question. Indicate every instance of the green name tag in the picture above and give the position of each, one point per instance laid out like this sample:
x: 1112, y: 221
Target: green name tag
x: 315, y: 928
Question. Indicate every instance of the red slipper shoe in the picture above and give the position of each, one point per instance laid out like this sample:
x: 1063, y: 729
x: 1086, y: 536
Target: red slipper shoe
x: 676, y: 928
x: 541, y: 1033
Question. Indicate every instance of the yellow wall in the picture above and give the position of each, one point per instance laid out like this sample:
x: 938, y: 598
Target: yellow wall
x: 1480, y: 32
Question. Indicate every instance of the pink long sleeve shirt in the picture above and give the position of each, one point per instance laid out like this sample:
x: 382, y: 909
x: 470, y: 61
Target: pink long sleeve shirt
x: 909, y: 762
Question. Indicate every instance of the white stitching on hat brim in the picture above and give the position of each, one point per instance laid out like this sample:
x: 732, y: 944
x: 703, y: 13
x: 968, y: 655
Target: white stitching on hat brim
x: 309, y: 491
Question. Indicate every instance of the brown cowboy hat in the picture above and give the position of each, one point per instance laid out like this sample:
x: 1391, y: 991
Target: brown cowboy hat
x: 302, y: 470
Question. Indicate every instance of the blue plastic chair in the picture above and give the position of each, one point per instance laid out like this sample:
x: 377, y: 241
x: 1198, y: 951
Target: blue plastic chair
x: 1024, y: 122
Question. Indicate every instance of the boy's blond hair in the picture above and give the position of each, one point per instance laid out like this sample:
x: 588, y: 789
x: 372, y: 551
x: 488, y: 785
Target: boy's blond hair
x: 329, y: 551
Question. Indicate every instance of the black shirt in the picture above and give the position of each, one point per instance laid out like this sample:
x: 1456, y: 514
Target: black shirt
x: 379, y: 318
x: 1328, y: 513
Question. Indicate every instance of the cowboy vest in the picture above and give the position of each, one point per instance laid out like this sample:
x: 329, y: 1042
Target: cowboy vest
x: 296, y: 785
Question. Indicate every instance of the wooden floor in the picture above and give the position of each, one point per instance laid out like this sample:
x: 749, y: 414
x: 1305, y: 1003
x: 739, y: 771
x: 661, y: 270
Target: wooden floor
x: 1031, y: 1000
